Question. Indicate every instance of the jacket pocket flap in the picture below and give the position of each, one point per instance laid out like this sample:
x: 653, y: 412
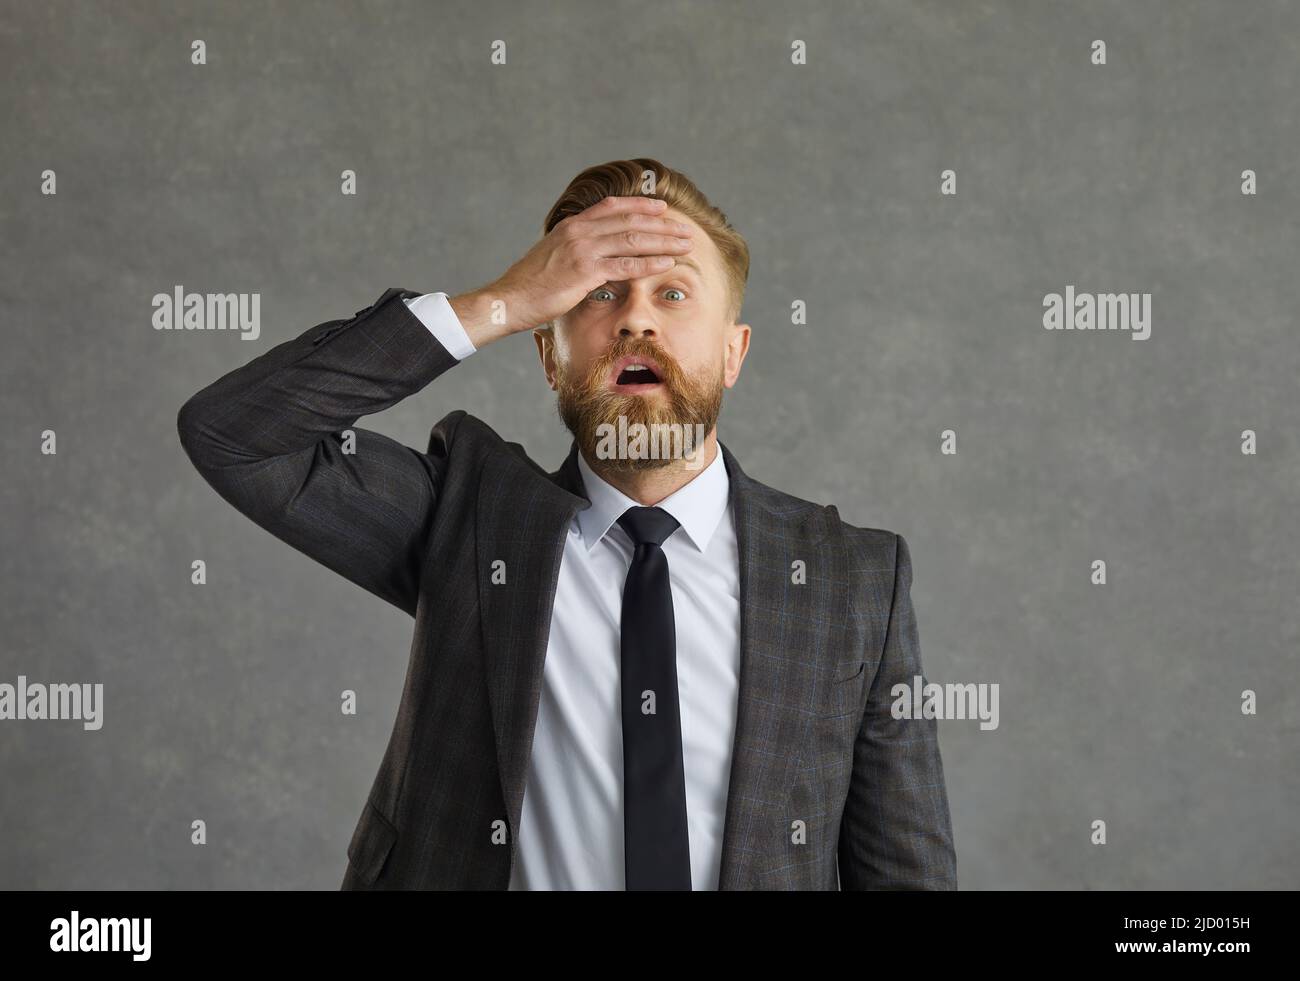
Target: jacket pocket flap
x: 848, y: 671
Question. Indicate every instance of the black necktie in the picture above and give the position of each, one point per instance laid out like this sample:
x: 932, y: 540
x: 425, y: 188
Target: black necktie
x: 656, y: 851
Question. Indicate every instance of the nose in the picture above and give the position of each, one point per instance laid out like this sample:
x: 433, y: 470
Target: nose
x: 636, y: 320
x: 636, y: 333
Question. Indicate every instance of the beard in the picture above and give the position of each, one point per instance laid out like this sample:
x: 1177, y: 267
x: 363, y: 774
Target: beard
x: 586, y: 403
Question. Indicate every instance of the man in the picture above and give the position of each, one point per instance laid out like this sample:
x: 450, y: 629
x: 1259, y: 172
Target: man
x: 638, y: 671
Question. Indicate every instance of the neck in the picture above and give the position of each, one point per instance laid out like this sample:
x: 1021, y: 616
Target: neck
x: 649, y: 487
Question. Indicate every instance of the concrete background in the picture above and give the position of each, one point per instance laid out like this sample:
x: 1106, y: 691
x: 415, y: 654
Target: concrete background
x: 1119, y: 703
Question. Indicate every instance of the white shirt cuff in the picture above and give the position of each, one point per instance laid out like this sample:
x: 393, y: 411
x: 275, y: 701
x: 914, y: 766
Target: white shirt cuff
x: 435, y: 312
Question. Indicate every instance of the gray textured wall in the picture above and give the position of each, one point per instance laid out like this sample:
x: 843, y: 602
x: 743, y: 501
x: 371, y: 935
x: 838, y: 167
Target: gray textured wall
x: 1118, y: 702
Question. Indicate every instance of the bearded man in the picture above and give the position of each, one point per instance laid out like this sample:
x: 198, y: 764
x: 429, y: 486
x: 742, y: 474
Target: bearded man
x: 643, y: 670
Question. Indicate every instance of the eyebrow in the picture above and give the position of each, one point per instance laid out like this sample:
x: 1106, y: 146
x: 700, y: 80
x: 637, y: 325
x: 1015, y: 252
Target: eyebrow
x: 683, y: 261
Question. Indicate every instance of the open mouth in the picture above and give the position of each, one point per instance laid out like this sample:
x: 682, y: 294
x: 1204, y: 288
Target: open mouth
x: 635, y: 375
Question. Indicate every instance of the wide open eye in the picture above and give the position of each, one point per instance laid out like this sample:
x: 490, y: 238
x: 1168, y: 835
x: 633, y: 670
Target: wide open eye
x: 674, y: 289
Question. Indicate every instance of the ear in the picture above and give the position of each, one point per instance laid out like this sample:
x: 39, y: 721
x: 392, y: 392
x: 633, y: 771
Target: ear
x: 545, y: 338
x: 737, y: 348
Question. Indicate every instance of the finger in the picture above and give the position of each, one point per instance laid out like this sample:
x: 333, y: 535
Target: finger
x: 637, y: 243
x: 616, y: 206
x: 634, y: 221
x: 616, y: 268
x: 616, y: 203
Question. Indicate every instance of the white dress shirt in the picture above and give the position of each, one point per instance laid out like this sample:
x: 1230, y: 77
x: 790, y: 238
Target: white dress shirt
x: 571, y: 834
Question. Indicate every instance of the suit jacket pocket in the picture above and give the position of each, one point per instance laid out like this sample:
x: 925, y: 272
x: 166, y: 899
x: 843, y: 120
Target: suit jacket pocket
x: 842, y: 691
x: 847, y: 672
x: 371, y: 842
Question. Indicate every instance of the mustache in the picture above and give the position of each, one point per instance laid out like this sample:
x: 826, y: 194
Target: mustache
x: 671, y: 373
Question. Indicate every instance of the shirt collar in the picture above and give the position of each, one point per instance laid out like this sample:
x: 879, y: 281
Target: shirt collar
x: 698, y: 505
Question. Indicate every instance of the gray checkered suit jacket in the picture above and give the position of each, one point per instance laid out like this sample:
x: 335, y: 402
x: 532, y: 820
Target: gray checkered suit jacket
x: 815, y: 741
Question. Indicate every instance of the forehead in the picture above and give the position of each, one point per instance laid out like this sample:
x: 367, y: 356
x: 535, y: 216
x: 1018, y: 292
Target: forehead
x: 704, y: 259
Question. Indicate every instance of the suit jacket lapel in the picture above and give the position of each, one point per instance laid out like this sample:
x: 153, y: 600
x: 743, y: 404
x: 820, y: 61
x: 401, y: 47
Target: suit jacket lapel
x: 786, y: 631
x: 523, y: 518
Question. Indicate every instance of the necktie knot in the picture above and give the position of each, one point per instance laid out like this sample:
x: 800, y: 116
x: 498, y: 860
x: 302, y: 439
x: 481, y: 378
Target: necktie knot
x: 648, y: 526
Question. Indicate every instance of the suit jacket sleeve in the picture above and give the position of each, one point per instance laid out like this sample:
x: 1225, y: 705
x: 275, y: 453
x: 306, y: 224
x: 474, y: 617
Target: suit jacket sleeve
x: 895, y: 832
x: 268, y: 438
